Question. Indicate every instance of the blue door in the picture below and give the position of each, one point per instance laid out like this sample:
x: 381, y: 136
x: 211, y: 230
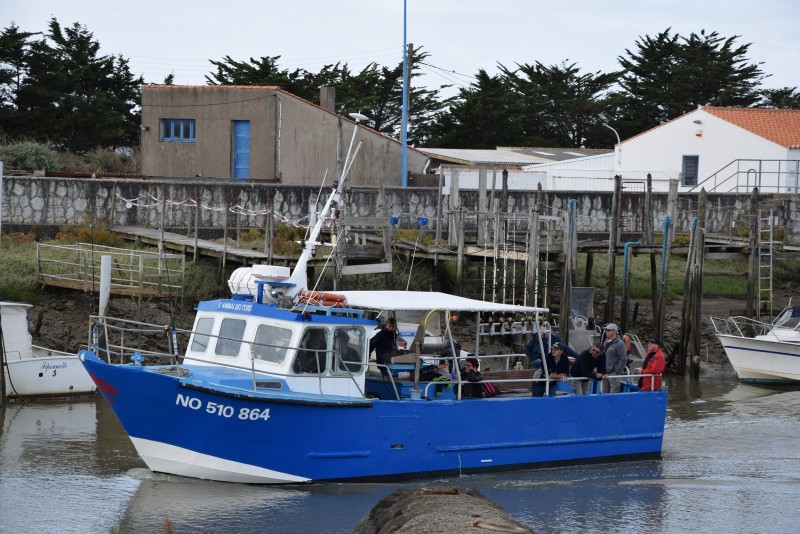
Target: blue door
x: 241, y: 150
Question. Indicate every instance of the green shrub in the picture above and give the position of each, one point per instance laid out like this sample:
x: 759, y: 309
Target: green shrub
x: 29, y: 155
x: 201, y: 282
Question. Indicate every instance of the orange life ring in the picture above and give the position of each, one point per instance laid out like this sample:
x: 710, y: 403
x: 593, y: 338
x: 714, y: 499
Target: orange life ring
x: 322, y: 298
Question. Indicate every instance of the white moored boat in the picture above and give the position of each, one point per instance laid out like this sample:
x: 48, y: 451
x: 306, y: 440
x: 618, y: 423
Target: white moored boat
x: 762, y: 352
x: 31, y: 371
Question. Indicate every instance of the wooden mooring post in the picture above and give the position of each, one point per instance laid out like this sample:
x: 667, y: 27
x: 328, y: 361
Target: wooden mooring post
x: 613, y: 242
x: 752, y: 263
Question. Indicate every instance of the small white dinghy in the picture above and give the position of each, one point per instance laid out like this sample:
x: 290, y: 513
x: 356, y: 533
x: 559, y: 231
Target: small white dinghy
x: 30, y: 371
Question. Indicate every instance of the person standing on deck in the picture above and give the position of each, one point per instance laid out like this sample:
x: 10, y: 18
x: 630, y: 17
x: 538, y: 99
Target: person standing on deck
x: 654, y: 364
x: 384, y: 342
x: 616, y: 357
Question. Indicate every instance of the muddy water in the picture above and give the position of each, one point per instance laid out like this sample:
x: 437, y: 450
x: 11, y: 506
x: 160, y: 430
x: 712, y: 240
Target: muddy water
x: 731, y: 463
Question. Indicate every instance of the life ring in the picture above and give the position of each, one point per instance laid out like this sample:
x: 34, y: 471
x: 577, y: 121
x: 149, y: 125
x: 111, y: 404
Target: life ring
x: 322, y: 298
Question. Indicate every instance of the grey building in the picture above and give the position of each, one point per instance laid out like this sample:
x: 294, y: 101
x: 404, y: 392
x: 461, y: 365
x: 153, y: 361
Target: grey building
x: 255, y: 133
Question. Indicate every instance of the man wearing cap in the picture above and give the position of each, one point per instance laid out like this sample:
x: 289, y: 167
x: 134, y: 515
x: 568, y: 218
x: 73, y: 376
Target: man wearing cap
x: 533, y: 350
x: 557, y: 369
x: 616, y: 357
x: 654, y: 364
x: 591, y: 365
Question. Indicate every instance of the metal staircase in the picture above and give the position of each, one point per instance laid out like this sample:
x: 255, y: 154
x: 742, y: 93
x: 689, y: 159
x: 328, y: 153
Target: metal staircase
x: 766, y: 236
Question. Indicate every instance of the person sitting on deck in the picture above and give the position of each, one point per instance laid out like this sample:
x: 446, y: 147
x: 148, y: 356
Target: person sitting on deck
x: 469, y: 376
x: 654, y: 364
x: 313, y: 358
x: 557, y: 369
x: 534, y: 353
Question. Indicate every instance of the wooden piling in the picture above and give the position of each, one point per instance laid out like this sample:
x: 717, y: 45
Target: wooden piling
x: 669, y: 235
x: 613, y: 242
x: 439, y: 216
x: 648, y: 239
x: 460, y: 257
x: 238, y: 222
x: 566, y: 278
x: 225, y: 240
x: 269, y: 231
x: 196, y: 226
x: 697, y: 282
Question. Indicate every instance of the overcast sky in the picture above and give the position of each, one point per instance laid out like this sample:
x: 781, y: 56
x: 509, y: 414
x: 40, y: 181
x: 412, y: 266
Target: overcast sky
x: 160, y: 37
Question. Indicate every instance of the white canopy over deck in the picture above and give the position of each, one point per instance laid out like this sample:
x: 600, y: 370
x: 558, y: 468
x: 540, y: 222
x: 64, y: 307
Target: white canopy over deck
x: 425, y: 301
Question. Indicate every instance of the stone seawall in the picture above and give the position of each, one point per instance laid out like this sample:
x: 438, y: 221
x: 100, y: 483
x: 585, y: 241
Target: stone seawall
x: 53, y: 201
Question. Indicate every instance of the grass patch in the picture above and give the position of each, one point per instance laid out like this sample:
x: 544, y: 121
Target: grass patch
x: 18, y: 265
x: 639, y: 267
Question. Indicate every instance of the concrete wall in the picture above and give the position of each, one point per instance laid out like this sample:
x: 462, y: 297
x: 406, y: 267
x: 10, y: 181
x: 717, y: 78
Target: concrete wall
x: 46, y: 201
x: 292, y: 141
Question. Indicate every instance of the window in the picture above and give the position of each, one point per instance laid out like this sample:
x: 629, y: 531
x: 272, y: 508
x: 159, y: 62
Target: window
x: 271, y: 343
x: 690, y: 168
x: 201, y: 334
x: 313, y: 357
x: 348, y: 348
x: 177, y: 130
x: 230, y: 337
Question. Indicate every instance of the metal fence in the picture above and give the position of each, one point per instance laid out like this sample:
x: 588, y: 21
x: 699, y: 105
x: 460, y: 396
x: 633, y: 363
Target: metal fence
x: 132, y: 272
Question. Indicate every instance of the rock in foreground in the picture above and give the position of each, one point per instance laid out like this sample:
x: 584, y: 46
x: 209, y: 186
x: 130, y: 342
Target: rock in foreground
x: 436, y: 510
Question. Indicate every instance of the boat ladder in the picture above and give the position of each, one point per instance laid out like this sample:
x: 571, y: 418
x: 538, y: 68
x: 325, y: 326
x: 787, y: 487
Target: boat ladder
x: 766, y: 235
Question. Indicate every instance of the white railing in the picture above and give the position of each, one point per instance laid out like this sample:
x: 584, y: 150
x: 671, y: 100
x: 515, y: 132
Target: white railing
x: 132, y: 272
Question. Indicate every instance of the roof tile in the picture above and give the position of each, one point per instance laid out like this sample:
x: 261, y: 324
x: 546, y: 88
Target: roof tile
x: 781, y: 126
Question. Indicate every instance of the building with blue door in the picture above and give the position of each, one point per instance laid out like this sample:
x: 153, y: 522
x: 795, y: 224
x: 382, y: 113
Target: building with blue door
x: 260, y: 134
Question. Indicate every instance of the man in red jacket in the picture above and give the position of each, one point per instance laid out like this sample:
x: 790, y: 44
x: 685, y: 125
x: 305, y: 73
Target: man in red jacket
x: 654, y: 364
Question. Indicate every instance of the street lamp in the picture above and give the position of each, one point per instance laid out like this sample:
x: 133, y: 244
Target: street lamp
x: 618, y: 148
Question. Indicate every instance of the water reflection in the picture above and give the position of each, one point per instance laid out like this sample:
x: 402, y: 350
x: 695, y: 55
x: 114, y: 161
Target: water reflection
x: 53, y: 469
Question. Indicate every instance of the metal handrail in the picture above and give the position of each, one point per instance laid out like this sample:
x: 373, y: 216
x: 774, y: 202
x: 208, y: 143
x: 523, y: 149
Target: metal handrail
x: 569, y: 380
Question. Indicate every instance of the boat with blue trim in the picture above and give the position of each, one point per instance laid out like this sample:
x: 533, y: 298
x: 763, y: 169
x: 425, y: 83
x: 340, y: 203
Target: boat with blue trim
x: 275, y: 385
x: 762, y: 352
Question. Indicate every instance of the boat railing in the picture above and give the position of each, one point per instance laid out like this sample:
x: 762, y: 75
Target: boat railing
x: 38, y: 351
x: 387, y: 372
x: 739, y: 326
x: 546, y: 381
x: 122, y: 340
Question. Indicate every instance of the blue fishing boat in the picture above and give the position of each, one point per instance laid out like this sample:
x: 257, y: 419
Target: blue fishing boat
x: 276, y: 385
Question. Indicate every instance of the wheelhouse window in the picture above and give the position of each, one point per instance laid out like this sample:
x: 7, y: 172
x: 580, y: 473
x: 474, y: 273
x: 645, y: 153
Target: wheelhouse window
x: 177, y: 130
x: 348, y: 349
x: 271, y: 343
x: 689, y: 170
x: 230, y: 337
x: 313, y: 354
x: 202, y: 334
